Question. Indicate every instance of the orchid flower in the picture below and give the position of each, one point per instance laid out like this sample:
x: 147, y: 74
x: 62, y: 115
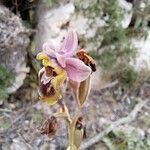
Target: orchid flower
x: 75, y: 68
x: 51, y: 78
x: 58, y: 65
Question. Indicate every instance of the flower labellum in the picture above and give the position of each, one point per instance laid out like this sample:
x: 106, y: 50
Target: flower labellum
x: 51, y: 77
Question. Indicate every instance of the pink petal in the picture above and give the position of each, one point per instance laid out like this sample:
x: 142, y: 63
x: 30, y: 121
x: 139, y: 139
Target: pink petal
x: 77, y: 70
x: 61, y: 60
x: 70, y: 43
x: 48, y: 50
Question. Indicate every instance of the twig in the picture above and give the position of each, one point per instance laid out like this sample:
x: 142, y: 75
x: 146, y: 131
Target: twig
x: 114, y: 125
x: 24, y: 112
x: 24, y: 141
x: 109, y: 143
x: 5, y: 110
x: 110, y: 85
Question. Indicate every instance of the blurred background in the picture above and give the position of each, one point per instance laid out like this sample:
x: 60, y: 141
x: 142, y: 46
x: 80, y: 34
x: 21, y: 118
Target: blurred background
x: 116, y: 33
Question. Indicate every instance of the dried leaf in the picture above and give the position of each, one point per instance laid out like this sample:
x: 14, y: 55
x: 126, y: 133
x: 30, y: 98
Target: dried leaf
x: 49, y: 126
x: 87, y: 59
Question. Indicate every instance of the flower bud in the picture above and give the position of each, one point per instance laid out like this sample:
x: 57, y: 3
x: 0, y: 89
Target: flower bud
x: 79, y: 132
x: 71, y: 147
x: 81, y: 90
x: 84, y: 89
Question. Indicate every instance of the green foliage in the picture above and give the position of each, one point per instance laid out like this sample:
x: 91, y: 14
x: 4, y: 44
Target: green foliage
x: 52, y: 3
x: 128, y: 77
x: 122, y: 140
x: 38, y: 117
x: 6, y: 78
x: 4, y: 123
x: 115, y: 50
x: 34, y: 65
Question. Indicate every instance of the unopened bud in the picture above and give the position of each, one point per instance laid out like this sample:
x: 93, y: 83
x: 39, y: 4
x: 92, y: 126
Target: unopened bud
x: 79, y: 132
x: 72, y: 147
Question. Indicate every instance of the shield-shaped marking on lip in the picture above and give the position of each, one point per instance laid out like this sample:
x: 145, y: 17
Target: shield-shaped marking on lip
x: 45, y: 87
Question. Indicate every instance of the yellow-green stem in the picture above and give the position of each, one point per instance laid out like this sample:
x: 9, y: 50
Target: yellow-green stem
x: 72, y: 127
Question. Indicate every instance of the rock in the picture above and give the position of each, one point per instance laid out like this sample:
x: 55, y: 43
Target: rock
x: 54, y: 23
x: 14, y: 40
x: 137, y: 133
x: 18, y: 144
x: 51, y: 23
x: 128, y: 12
x: 143, y: 58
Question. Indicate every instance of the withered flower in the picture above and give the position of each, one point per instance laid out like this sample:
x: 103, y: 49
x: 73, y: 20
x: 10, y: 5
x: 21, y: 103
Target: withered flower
x: 49, y: 127
x: 88, y: 60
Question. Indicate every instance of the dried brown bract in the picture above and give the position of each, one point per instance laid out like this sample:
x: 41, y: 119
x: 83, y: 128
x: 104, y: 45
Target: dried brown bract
x: 88, y: 60
x: 79, y: 123
x: 49, y: 127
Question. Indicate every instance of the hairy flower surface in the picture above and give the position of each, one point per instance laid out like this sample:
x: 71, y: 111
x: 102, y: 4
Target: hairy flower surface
x: 51, y: 78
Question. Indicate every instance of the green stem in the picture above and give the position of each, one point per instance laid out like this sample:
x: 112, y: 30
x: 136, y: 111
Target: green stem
x: 72, y: 127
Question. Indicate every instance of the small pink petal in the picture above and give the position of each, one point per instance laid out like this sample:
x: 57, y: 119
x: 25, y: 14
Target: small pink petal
x: 48, y: 50
x: 77, y: 70
x: 70, y: 43
x: 61, y: 60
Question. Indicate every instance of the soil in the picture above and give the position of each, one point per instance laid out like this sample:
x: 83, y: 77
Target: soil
x: 22, y: 115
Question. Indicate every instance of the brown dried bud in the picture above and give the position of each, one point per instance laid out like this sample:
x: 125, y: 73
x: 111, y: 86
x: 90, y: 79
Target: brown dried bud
x: 79, y: 132
x: 45, y: 87
x: 79, y: 123
x: 49, y: 127
x: 88, y: 60
x: 80, y: 126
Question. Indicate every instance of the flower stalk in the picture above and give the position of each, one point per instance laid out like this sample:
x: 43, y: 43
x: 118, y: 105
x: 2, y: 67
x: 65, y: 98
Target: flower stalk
x: 60, y: 65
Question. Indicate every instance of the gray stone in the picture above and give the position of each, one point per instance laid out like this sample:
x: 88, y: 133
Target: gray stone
x: 14, y: 40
